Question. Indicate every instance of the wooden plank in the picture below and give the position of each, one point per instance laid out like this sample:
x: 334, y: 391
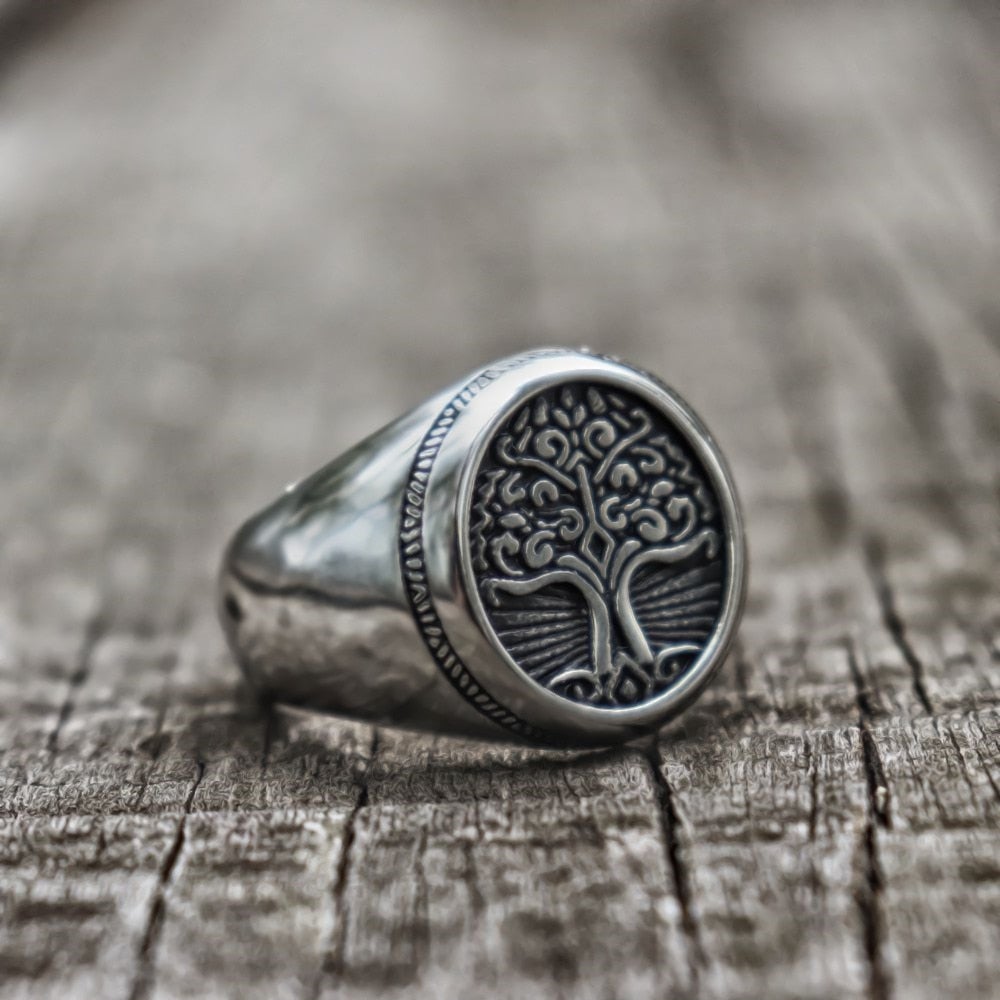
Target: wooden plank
x: 222, y: 261
x: 494, y: 866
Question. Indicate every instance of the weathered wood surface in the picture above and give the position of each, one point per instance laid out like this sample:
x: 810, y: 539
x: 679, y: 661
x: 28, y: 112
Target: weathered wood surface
x: 235, y: 236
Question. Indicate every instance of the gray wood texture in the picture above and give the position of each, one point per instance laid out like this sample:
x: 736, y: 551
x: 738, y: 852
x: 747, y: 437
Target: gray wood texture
x: 236, y: 236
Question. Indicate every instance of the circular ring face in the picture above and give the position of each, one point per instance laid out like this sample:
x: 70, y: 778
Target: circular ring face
x: 600, y: 549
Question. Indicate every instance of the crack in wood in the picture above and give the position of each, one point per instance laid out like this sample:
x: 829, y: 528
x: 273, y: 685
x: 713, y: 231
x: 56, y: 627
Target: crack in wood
x: 333, y: 962
x: 878, y: 786
x: 812, y: 823
x: 670, y: 828
x: 420, y: 935
x: 875, y: 563
x: 813, y: 772
x: 869, y: 898
x: 868, y: 894
x: 470, y: 879
x: 142, y: 982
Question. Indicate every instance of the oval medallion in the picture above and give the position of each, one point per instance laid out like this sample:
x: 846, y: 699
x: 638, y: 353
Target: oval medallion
x: 597, y: 545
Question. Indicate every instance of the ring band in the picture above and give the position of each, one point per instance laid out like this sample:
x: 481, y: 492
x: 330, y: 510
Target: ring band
x: 552, y: 550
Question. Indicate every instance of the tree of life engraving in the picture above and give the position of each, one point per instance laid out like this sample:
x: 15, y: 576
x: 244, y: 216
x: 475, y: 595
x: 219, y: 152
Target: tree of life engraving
x: 597, y: 545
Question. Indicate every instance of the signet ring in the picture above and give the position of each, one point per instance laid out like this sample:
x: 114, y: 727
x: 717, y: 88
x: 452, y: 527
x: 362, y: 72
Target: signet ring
x: 550, y: 550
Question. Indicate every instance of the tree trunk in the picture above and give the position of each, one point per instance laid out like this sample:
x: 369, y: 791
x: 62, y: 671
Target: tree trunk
x: 597, y: 611
x: 667, y: 555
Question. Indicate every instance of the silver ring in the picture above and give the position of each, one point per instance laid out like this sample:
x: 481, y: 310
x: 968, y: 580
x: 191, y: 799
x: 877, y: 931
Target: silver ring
x: 551, y: 550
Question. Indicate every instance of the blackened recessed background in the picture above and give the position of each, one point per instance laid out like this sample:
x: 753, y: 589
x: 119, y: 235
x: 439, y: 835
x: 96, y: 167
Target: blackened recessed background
x: 597, y: 545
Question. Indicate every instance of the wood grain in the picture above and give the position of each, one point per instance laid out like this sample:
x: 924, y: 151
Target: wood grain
x: 235, y: 237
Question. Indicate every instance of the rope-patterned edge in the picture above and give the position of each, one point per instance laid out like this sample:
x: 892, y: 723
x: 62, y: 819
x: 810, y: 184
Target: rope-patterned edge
x: 413, y: 563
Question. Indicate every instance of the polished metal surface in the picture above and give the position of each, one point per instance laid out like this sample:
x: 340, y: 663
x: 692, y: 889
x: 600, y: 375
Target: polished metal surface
x: 550, y: 550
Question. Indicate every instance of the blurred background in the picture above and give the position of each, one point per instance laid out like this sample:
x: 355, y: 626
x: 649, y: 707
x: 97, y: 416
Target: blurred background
x: 235, y: 236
